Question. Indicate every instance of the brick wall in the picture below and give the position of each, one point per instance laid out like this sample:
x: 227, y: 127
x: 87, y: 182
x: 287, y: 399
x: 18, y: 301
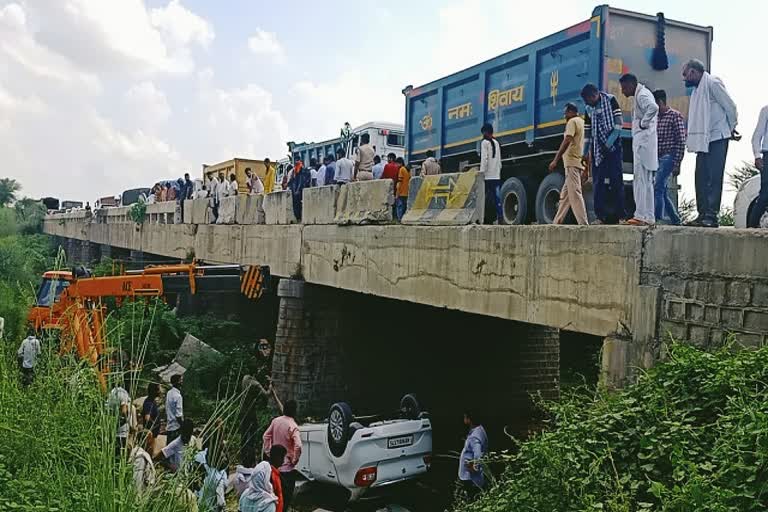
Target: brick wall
x: 705, y: 309
x: 539, y: 362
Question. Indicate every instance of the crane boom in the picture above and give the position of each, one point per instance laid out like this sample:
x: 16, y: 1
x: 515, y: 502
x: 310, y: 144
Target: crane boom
x: 72, y: 301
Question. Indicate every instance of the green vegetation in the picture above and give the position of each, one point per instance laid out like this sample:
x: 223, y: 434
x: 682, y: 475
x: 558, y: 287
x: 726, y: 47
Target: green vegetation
x: 138, y: 212
x: 690, y: 436
x: 57, y: 444
x: 57, y: 438
x: 9, y: 188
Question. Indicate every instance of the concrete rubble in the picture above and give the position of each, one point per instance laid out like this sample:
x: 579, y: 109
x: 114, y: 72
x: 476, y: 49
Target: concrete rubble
x: 191, y: 351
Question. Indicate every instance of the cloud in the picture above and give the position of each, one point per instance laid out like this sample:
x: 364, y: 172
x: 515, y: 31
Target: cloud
x: 265, y: 43
x: 321, y: 108
x: 148, y: 103
x: 118, y: 36
x: 60, y: 133
x: 181, y: 26
x: 240, y: 121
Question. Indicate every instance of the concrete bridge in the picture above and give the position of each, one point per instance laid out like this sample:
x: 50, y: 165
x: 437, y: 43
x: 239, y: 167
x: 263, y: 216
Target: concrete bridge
x: 524, y: 286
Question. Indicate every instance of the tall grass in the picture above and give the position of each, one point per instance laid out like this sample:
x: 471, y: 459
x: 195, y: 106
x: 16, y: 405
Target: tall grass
x: 57, y: 437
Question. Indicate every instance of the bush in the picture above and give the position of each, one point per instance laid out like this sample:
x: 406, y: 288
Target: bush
x: 691, y: 435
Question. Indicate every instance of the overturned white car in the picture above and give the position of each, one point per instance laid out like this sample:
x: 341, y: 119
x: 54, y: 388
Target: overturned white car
x: 745, y: 201
x: 361, y: 454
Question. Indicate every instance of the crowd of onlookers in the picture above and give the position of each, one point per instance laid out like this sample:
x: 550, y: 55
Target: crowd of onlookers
x: 265, y: 478
x: 366, y: 165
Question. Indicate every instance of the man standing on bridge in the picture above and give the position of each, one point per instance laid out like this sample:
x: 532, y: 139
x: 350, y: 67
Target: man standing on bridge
x: 430, y: 165
x: 645, y: 144
x: 672, y: 135
x: 712, y: 119
x: 571, y: 197
x: 602, y: 147
x: 490, y: 166
x: 760, y: 148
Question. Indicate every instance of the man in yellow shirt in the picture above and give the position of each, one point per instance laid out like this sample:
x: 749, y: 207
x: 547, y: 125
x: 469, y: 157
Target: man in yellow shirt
x: 403, y: 185
x: 570, y: 151
x: 269, y: 177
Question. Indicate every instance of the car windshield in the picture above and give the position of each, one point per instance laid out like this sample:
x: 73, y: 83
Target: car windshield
x: 50, y: 290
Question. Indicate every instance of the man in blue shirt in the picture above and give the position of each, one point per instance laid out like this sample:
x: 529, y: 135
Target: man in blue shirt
x: 475, y: 448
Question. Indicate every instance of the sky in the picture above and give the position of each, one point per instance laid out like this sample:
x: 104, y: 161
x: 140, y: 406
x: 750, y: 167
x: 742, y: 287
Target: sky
x: 99, y: 96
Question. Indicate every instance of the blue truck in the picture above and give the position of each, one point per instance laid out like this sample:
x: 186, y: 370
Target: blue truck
x: 522, y: 93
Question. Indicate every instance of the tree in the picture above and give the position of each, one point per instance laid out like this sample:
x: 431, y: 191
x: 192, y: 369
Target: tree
x: 739, y: 175
x: 29, y: 215
x: 8, y: 189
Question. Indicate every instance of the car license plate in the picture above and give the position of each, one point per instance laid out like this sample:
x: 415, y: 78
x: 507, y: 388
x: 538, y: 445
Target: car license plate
x: 399, y: 442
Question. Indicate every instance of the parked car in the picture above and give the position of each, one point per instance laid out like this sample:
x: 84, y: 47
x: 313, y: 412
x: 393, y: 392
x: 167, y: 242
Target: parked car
x: 745, y: 200
x: 365, y: 453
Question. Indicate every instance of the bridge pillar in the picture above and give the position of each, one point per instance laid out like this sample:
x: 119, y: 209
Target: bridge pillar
x: 307, y: 357
x: 539, y: 362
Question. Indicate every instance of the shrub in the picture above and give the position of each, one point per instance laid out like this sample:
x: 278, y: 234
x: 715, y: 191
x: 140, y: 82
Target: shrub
x: 691, y: 435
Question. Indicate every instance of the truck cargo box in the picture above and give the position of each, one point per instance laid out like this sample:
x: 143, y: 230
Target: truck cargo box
x: 522, y: 93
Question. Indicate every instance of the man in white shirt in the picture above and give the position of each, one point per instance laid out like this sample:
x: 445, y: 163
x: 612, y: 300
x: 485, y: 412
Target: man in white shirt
x: 144, y: 474
x: 320, y: 180
x: 712, y: 119
x: 760, y: 148
x: 490, y: 166
x: 119, y: 402
x: 234, y: 187
x: 313, y: 172
x: 173, y: 455
x: 378, y: 167
x: 174, y: 409
x: 27, y: 354
x: 645, y: 148
x: 213, y: 197
x: 430, y: 165
x: 344, y: 168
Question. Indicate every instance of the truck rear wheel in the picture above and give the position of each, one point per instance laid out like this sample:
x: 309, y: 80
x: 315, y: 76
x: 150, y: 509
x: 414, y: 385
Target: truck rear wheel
x: 548, y: 198
x: 514, y: 202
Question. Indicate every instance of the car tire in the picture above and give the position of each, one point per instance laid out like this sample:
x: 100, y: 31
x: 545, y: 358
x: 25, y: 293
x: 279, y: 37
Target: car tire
x: 514, y: 202
x: 410, y: 407
x: 339, y: 418
x: 548, y: 197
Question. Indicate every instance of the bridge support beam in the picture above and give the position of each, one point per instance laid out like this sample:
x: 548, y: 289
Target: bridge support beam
x: 307, y: 359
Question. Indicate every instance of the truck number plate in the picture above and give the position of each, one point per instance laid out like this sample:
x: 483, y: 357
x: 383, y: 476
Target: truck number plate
x: 399, y: 442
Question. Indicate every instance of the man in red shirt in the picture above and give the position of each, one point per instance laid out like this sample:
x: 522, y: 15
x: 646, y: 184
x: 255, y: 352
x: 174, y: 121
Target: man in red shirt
x: 277, y: 459
x: 284, y: 431
x: 392, y: 169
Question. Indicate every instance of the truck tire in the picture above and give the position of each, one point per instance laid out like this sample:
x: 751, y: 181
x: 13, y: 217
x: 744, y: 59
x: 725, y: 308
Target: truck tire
x: 409, y: 407
x: 514, y: 202
x: 339, y: 418
x: 548, y: 198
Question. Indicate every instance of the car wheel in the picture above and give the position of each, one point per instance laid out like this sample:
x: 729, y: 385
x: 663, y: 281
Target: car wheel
x: 339, y: 418
x: 548, y: 198
x: 409, y: 407
x: 514, y: 202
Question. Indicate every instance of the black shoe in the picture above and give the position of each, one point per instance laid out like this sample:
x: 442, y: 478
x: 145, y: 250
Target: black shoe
x: 698, y: 222
x: 709, y: 224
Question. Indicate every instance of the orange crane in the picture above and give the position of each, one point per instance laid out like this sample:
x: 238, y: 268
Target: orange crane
x: 72, y: 302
